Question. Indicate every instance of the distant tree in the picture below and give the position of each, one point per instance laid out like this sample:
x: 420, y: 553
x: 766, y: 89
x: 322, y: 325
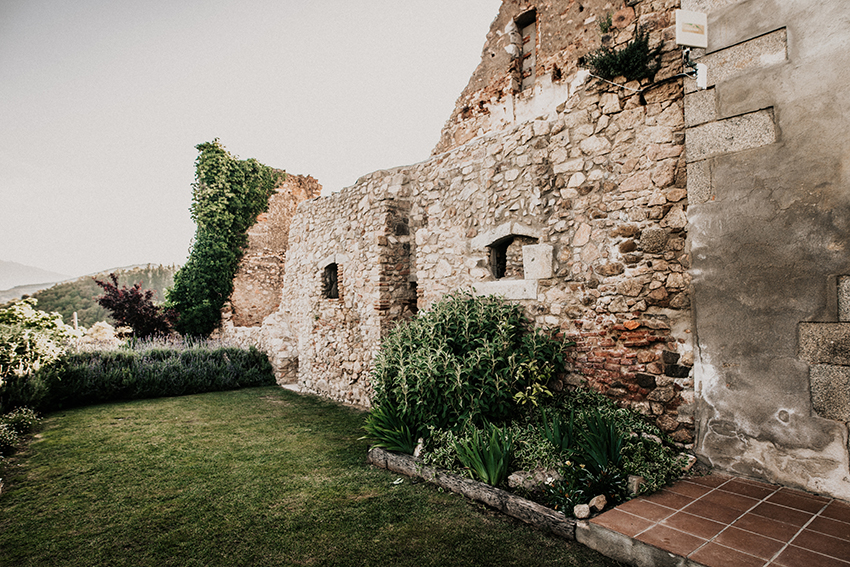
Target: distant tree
x: 134, y: 307
x: 227, y: 196
x: 80, y: 295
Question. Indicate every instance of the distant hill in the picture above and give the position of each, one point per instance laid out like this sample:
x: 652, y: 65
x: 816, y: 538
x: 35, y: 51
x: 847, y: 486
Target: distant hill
x: 21, y: 290
x: 79, y: 295
x: 13, y: 274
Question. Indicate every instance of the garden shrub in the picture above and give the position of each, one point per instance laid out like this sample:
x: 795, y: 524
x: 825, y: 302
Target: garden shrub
x: 30, y: 339
x: 9, y: 439
x: 86, y: 378
x: 134, y: 307
x: 463, y: 360
x: 13, y: 426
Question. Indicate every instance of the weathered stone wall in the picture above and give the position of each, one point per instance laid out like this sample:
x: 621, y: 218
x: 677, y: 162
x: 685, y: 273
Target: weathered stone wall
x: 259, y: 278
x: 769, y: 190
x: 566, y: 30
x: 588, y: 201
x: 250, y: 317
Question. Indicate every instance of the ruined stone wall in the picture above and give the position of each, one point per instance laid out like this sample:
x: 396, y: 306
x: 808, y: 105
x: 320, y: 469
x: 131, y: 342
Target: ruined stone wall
x: 566, y: 31
x: 769, y: 190
x: 259, y: 279
x: 589, y: 201
x: 363, y: 231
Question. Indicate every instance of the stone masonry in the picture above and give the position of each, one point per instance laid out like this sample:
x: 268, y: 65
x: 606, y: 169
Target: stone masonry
x: 568, y: 197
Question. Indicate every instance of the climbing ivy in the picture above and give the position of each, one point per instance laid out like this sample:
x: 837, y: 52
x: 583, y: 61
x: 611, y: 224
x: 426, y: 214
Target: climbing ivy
x: 227, y: 196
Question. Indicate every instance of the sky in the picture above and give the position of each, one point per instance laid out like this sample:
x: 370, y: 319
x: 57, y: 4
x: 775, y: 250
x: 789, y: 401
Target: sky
x: 102, y: 103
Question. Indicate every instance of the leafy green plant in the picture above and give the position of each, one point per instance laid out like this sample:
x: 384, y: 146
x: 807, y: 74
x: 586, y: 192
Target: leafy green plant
x: 9, y: 439
x: 387, y: 430
x: 600, y: 442
x: 463, y: 360
x: 635, y: 61
x: 22, y: 420
x: 606, y: 23
x: 227, y: 196
x: 561, y: 435
x: 487, y: 453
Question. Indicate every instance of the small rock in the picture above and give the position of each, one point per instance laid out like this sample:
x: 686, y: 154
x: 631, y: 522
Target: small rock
x: 634, y: 484
x: 581, y: 511
x: 598, y: 503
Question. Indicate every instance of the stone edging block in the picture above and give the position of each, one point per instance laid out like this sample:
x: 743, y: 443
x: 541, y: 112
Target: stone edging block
x: 529, y: 512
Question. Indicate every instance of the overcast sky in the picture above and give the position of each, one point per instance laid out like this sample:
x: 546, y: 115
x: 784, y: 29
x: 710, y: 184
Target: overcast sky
x: 102, y: 103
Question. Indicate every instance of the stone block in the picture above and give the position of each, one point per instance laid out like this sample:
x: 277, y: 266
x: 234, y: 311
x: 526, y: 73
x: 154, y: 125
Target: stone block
x: 844, y: 298
x: 699, y: 182
x: 537, y: 261
x: 825, y: 343
x: 509, y: 289
x: 700, y: 107
x: 745, y: 57
x: 831, y: 391
x: 752, y: 130
x: 486, y: 238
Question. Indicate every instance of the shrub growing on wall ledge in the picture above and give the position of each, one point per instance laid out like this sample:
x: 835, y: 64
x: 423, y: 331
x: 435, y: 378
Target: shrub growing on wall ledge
x: 227, y: 196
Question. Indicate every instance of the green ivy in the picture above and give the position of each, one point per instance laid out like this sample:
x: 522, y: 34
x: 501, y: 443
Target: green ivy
x: 227, y: 196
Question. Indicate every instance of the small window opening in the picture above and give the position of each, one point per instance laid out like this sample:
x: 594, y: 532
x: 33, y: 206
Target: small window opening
x: 330, y: 282
x: 506, y: 257
x: 499, y: 257
x: 527, y: 24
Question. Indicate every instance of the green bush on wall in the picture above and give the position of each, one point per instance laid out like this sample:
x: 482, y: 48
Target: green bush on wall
x: 635, y: 61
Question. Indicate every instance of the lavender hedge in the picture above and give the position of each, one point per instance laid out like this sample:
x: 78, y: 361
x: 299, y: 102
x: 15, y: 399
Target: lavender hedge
x: 86, y: 378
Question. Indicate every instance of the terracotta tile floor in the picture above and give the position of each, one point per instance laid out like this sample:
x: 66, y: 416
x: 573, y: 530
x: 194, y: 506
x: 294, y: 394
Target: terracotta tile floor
x: 723, y: 521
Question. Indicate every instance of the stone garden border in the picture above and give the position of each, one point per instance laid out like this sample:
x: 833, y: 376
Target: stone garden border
x: 529, y: 512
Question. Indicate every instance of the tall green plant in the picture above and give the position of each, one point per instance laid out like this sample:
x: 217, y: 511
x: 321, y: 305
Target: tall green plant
x: 487, y: 453
x: 227, y: 196
x: 561, y: 434
x: 385, y: 429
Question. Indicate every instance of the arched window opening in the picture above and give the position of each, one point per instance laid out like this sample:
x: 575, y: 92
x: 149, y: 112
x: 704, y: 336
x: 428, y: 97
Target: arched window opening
x: 506, y: 256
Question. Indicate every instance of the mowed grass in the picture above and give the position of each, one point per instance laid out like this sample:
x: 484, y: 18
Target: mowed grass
x: 259, y: 476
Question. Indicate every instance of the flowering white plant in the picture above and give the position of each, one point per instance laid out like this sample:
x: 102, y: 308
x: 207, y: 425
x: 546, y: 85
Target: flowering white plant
x: 30, y: 339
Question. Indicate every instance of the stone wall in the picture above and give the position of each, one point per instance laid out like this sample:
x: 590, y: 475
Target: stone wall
x: 259, y: 278
x: 769, y: 191
x: 565, y: 31
x: 585, y: 203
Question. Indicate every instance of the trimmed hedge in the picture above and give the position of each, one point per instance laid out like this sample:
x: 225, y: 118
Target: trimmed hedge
x: 88, y: 378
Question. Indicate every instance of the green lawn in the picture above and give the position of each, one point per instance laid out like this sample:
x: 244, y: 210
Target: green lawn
x: 251, y: 477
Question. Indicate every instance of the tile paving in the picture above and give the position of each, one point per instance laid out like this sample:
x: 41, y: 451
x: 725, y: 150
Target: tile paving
x: 724, y: 521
